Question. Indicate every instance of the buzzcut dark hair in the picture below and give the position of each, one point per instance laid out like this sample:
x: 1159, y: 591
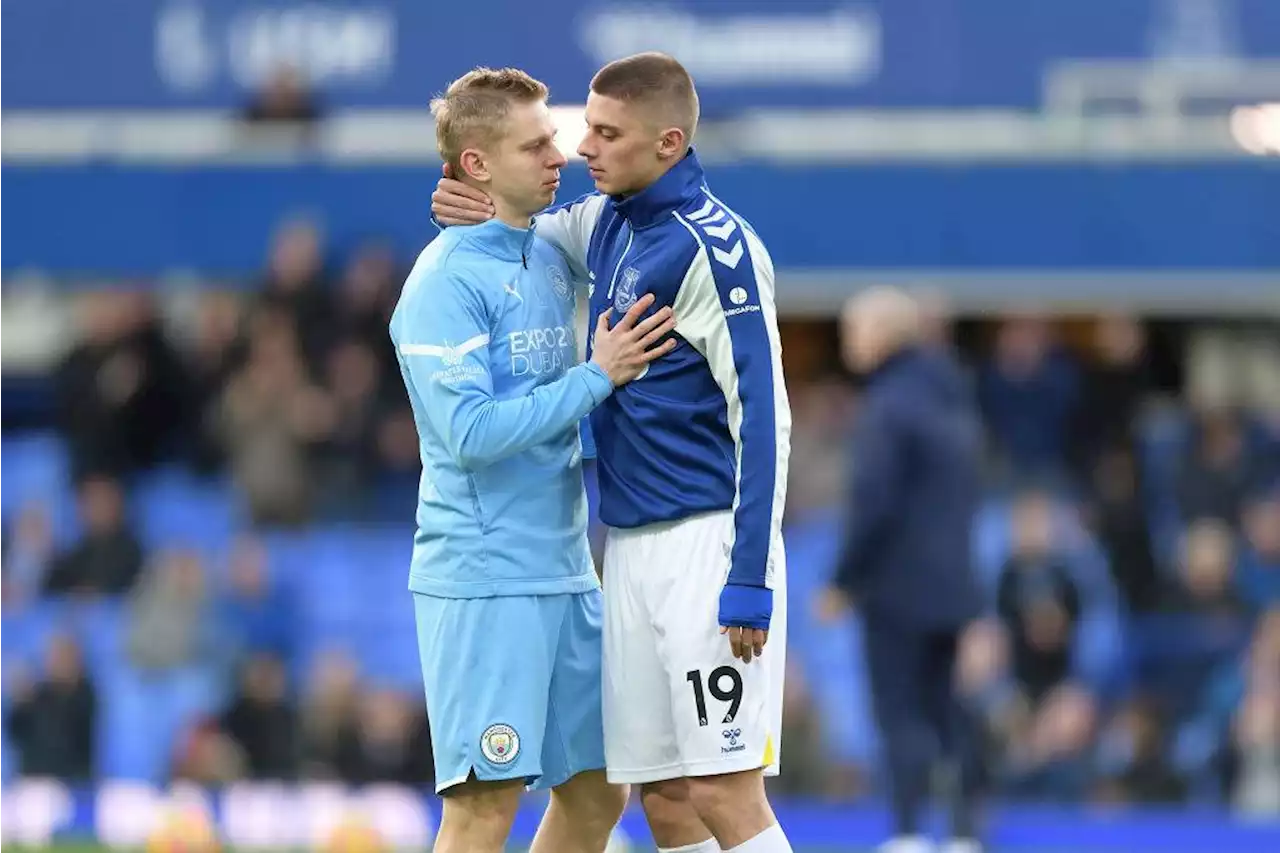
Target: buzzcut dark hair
x: 656, y: 81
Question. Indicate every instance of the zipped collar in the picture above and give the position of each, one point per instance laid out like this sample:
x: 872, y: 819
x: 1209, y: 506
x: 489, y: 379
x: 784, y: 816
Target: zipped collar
x: 679, y: 186
x: 501, y: 240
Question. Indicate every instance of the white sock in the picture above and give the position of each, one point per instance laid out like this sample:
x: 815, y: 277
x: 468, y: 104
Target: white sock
x: 772, y: 840
x: 708, y: 846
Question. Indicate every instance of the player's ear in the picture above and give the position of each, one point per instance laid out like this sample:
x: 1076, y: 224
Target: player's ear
x: 671, y: 143
x: 473, y: 164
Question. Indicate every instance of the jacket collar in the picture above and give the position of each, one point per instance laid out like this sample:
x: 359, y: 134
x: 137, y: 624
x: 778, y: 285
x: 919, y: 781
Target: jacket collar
x: 680, y: 185
x: 499, y: 239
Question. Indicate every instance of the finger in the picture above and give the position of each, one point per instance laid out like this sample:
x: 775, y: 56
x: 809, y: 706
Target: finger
x: 446, y: 170
x: 654, y: 320
x: 460, y: 195
x: 658, y: 332
x: 659, y: 351
x: 635, y: 312
x: 735, y: 642
x: 450, y: 213
x: 653, y: 337
x: 758, y: 639
x: 747, y: 650
x: 602, y: 322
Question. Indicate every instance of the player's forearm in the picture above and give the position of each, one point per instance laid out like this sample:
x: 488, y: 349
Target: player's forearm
x: 747, y: 598
x: 762, y: 435
x: 493, y: 430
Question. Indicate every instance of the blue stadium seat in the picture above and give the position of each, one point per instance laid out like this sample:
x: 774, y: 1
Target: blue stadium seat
x: 35, y: 466
x: 37, y: 469
x: 175, y: 509
x: 144, y: 715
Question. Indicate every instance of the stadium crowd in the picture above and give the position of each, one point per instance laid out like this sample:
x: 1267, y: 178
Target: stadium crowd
x: 1130, y: 547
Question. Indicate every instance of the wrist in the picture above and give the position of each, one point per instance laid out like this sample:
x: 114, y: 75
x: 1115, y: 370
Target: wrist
x: 746, y: 606
x: 598, y: 381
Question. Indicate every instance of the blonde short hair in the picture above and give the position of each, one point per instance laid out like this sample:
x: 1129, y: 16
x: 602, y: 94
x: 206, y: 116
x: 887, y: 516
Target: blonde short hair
x: 473, y: 109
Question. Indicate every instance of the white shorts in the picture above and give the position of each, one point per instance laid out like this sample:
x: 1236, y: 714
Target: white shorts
x: 670, y: 682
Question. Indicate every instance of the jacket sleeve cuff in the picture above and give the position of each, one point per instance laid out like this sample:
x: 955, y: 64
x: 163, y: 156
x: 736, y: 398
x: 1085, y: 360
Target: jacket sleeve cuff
x: 746, y: 606
x: 598, y: 381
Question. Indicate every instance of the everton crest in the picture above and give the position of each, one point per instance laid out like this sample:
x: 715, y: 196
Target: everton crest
x: 626, y: 296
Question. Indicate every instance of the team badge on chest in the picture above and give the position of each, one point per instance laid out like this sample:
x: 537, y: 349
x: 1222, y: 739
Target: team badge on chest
x: 626, y: 296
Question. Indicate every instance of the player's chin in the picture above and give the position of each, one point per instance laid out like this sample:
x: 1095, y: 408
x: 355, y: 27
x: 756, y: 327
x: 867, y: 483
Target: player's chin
x: 547, y: 193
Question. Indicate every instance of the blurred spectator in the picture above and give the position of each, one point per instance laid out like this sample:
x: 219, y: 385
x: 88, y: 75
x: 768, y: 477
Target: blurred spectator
x: 366, y: 298
x: 1216, y: 473
x: 262, y: 722
x: 328, y: 714
x: 1118, y: 517
x: 1112, y: 389
x: 272, y: 417
x: 1048, y: 722
x: 108, y: 558
x: 52, y: 723
x: 1258, y: 571
x: 398, y: 444
x: 295, y: 285
x: 1134, y: 761
x: 119, y: 390
x: 171, y: 618
x: 256, y: 614
x: 206, y: 755
x: 389, y: 743
x: 1048, y: 757
x: 28, y: 554
x: 1028, y: 394
x: 350, y: 453
x: 821, y: 412
x: 284, y: 99
x: 215, y: 352
x: 1206, y: 566
x: 1038, y: 601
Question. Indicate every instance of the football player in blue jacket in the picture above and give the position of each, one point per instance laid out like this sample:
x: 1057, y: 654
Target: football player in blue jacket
x: 692, y: 466
x: 506, y: 598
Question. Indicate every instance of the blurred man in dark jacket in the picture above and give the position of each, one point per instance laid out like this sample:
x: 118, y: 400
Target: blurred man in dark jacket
x: 905, y: 563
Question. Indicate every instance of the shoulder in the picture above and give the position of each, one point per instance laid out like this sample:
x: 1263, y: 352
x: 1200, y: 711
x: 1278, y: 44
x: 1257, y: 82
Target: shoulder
x: 706, y: 216
x: 444, y: 272
x: 733, y: 248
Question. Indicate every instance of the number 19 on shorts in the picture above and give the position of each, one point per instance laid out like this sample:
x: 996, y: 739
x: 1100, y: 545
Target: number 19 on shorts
x: 716, y: 687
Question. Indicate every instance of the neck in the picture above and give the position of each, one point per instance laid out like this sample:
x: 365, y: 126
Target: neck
x: 505, y: 212
x: 654, y: 178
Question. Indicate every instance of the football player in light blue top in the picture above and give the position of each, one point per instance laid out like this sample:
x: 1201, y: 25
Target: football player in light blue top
x: 507, y: 601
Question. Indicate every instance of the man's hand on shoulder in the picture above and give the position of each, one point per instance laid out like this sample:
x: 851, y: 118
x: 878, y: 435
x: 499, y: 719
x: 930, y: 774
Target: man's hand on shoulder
x: 456, y: 203
x: 745, y: 612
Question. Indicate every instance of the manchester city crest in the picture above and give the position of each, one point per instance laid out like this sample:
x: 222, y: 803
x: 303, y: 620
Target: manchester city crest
x: 626, y: 296
x: 558, y: 282
x: 500, y: 744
